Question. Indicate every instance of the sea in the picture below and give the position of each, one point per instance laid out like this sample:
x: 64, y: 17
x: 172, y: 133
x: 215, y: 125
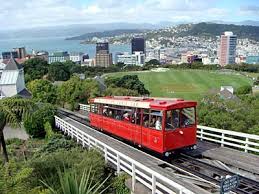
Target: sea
x: 52, y: 44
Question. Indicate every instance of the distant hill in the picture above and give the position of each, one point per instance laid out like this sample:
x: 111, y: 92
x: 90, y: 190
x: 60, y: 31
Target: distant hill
x: 110, y: 33
x: 212, y: 30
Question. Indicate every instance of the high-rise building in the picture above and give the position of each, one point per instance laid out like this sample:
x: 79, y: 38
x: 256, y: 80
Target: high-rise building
x: 138, y: 45
x: 227, y: 48
x: 21, y: 52
x: 103, y: 58
x: 102, y: 47
x: 8, y: 55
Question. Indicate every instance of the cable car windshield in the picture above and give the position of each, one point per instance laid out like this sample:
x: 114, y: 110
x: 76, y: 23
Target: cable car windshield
x: 180, y: 118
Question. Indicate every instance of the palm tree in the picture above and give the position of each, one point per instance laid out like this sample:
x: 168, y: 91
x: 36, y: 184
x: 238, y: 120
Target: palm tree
x: 71, y: 183
x: 12, y: 111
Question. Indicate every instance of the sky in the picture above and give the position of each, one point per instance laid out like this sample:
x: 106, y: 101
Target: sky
x: 16, y: 14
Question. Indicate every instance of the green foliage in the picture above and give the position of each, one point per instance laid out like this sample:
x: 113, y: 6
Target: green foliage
x: 14, y: 178
x: 14, y: 109
x: 244, y: 67
x: 43, y: 91
x: 154, y: 62
x: 247, y: 89
x: 119, y: 184
x: 45, y: 166
x: 130, y: 82
x: 58, y: 71
x: 72, y: 183
x: 54, y: 143
x: 111, y: 91
x: 34, y: 125
x: 35, y: 69
x: 48, y: 130
x: 76, y: 91
x: 237, y: 115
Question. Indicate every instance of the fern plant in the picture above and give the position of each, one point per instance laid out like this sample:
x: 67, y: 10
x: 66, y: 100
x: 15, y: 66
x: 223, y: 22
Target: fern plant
x: 72, y: 184
x: 12, y: 111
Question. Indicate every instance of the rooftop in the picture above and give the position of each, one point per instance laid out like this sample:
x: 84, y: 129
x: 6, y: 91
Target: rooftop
x: 11, y: 64
x: 144, y: 102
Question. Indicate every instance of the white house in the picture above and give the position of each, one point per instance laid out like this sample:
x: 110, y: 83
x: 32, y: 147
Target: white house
x: 12, y: 80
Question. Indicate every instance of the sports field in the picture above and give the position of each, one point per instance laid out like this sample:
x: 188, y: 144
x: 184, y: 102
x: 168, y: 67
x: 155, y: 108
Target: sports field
x: 188, y: 84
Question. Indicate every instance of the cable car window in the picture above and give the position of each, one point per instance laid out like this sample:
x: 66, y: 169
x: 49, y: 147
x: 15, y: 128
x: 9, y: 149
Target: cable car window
x: 187, y: 117
x: 105, y: 110
x: 94, y: 108
x: 145, y: 119
x: 156, y: 119
x: 137, y: 116
x: 172, y: 119
x: 128, y: 114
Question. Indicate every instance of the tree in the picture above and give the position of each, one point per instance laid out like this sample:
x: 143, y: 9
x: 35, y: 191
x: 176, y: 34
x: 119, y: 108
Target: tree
x: 12, y: 111
x: 43, y: 91
x: 111, y: 91
x: 131, y: 82
x: 58, y: 72
x: 247, y: 89
x: 34, y: 125
x: 14, y: 178
x: 76, y: 91
x: 154, y: 62
x: 35, y: 68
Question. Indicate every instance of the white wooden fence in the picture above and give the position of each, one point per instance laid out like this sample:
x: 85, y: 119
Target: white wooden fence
x: 233, y: 139
x: 156, y: 182
x: 84, y: 107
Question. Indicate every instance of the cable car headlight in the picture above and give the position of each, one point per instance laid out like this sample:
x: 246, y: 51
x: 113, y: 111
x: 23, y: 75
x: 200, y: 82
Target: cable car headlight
x: 181, y: 132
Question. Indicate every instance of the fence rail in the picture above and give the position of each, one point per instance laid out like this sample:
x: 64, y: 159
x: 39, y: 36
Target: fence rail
x: 84, y: 107
x: 156, y: 182
x: 233, y: 139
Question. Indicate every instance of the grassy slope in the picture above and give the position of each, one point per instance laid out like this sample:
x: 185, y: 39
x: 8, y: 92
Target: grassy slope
x: 188, y: 84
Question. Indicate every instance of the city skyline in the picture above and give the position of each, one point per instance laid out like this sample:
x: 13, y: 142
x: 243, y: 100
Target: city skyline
x: 31, y: 13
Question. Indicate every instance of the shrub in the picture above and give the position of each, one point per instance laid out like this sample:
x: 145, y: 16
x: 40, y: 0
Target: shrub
x: 247, y: 89
x: 119, y: 184
x: 34, y: 125
x: 45, y: 166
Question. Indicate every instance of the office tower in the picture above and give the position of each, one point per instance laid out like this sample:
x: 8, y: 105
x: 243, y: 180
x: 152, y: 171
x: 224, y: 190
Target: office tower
x: 8, y: 55
x: 227, y: 48
x: 21, y: 52
x: 103, y: 58
x: 138, y: 45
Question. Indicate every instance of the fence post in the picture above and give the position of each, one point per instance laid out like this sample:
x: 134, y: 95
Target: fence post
x: 246, y: 145
x: 118, y: 164
x: 153, y: 184
x: 133, y: 180
x: 222, y: 139
x: 201, y: 134
x: 89, y: 142
x: 105, y: 155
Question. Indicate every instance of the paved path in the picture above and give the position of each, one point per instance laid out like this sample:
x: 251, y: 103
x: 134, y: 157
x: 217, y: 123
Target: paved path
x: 10, y: 133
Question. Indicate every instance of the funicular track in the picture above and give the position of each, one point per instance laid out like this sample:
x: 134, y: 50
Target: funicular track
x: 192, y: 166
x: 214, y: 174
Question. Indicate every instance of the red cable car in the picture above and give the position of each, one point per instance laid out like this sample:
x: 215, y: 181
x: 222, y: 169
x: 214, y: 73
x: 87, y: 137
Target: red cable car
x: 159, y: 124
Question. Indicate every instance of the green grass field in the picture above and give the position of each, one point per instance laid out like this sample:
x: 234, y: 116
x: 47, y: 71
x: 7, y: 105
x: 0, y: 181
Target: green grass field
x: 187, y: 84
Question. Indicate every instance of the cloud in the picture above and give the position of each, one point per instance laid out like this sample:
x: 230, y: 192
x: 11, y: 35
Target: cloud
x: 250, y: 9
x: 31, y: 13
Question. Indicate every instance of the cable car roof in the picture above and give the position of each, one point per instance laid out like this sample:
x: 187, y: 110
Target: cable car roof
x: 144, y: 102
